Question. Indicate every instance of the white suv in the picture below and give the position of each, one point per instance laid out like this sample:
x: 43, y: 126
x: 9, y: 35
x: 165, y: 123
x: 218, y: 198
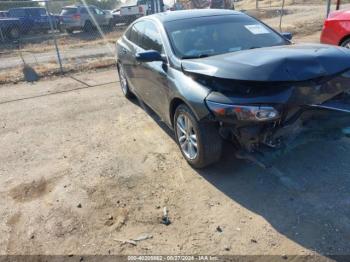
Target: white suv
x: 84, y: 18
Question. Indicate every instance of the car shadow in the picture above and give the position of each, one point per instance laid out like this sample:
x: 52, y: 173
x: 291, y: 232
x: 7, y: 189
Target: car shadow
x: 305, y: 195
x: 138, y: 102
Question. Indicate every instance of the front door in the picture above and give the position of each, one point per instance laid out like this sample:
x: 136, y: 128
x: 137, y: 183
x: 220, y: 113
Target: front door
x: 153, y: 81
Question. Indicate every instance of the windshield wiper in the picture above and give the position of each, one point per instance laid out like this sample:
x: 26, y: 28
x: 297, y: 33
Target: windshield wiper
x: 195, y: 56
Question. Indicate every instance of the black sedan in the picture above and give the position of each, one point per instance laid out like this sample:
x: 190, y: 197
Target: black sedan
x: 215, y: 75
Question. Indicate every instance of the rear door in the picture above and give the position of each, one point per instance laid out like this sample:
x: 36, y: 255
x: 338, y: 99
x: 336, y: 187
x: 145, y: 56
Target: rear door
x: 99, y: 16
x: 127, y: 49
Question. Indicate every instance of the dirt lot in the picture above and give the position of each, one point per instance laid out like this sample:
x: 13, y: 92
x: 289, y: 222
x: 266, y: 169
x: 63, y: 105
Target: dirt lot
x: 83, y: 169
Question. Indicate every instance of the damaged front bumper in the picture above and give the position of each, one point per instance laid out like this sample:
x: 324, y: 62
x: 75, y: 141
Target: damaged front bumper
x: 265, y: 125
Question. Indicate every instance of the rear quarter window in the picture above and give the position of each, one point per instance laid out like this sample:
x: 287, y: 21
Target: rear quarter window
x: 69, y: 11
x: 17, y: 13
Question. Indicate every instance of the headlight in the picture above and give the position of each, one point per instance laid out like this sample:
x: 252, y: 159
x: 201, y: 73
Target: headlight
x: 244, y: 113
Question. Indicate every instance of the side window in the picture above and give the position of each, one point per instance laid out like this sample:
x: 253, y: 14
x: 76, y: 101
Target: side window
x: 17, y: 13
x: 43, y: 12
x: 152, y: 39
x: 34, y: 12
x: 99, y: 12
x: 136, y: 33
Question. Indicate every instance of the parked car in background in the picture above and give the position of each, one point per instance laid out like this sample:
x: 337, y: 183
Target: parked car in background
x: 214, y: 75
x: 117, y: 19
x: 84, y: 18
x: 33, y: 19
x: 336, y: 29
x: 128, y: 14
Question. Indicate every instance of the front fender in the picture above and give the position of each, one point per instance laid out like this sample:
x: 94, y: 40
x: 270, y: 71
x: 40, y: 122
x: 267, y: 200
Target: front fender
x: 183, y: 87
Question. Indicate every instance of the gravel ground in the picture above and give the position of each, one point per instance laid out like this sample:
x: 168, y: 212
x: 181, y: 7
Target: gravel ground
x: 86, y: 171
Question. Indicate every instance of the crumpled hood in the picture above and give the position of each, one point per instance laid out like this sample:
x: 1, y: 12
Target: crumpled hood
x: 281, y: 63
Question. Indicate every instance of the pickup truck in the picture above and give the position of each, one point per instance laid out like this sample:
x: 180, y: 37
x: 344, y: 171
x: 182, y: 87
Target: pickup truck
x: 128, y: 14
x: 9, y: 28
x: 32, y: 19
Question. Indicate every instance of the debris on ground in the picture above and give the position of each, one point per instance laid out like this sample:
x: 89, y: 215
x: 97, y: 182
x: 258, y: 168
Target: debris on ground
x: 134, y: 241
x: 79, y: 206
x: 219, y: 229
x: 127, y: 241
x: 142, y: 237
x: 165, y: 219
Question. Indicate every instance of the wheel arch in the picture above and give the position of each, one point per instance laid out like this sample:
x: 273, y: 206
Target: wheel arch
x: 175, y: 102
x: 346, y: 37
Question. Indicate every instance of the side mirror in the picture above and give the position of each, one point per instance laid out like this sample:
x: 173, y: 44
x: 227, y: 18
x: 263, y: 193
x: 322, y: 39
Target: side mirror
x: 287, y: 35
x: 149, y: 56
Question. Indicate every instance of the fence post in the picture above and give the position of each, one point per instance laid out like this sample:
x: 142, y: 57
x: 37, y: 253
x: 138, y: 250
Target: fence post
x: 328, y: 7
x: 54, y: 35
x: 2, y: 35
x: 281, y: 15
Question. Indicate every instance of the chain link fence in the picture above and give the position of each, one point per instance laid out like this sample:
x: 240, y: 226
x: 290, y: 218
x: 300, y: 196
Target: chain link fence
x: 55, y: 37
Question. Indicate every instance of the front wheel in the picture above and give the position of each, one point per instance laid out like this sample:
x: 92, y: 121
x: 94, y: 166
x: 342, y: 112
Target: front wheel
x: 346, y: 43
x: 199, y: 142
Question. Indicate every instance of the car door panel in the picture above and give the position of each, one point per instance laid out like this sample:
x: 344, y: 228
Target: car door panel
x: 154, y: 83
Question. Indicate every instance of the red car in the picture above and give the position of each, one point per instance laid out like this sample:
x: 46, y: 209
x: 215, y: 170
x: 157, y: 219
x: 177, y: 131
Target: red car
x: 336, y: 29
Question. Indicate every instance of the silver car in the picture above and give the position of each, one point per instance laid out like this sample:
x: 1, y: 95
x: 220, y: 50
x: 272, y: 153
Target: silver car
x: 84, y: 18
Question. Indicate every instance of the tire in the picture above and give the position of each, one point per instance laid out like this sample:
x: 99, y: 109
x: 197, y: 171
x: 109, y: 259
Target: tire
x: 88, y: 26
x: 14, y: 33
x: 346, y: 43
x: 69, y: 31
x: 203, y: 136
x: 124, y: 83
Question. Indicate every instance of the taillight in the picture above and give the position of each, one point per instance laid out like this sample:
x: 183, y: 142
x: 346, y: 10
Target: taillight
x: 76, y: 16
x: 140, y: 9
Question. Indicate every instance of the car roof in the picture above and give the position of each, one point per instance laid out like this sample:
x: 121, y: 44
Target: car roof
x: 30, y: 7
x: 78, y: 6
x: 339, y: 15
x: 194, y: 13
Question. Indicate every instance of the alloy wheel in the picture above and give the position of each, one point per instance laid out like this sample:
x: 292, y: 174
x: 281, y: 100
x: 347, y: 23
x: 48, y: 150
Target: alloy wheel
x: 123, y: 82
x: 186, y: 136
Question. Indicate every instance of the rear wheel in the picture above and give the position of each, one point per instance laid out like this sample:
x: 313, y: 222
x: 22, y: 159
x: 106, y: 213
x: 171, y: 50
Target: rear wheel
x: 69, y: 31
x: 199, y: 142
x: 124, y: 82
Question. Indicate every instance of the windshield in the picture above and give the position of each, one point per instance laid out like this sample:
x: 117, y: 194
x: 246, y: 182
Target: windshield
x: 206, y: 36
x: 69, y: 11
